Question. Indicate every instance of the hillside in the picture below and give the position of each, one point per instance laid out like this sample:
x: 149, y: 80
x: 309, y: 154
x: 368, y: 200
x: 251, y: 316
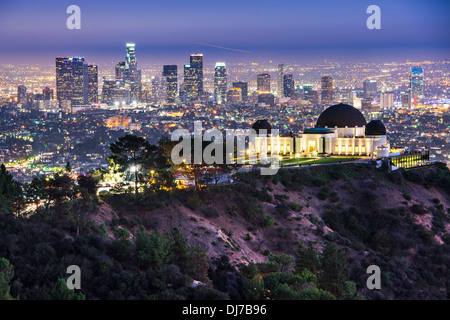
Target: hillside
x: 396, y: 220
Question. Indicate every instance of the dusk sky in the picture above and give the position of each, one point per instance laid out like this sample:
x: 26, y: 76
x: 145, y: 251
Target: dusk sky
x: 233, y: 30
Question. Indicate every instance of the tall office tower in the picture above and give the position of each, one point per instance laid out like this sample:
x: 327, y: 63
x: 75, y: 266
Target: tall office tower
x: 121, y: 69
x: 416, y: 86
x: 244, y: 89
x: 327, y: 90
x: 131, y: 56
x: 220, y: 83
x: 370, y: 88
x: 79, y: 85
x: 387, y: 100
x: 288, y: 85
x: 47, y: 94
x: 64, y: 79
x: 170, y: 72
x: 280, y: 80
x: 21, y: 94
x: 263, y: 83
x: 92, y: 75
x: 196, y: 63
x: 132, y: 75
x: 190, y: 83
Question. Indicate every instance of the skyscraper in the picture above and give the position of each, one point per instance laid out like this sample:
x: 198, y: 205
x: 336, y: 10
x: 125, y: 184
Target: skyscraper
x: 121, y: 70
x: 92, y: 84
x: 370, y: 88
x: 263, y: 83
x: 280, y: 80
x: 190, y: 83
x: 79, y: 86
x: 288, y: 85
x: 220, y: 83
x: 327, y: 90
x: 416, y: 86
x: 244, y: 89
x: 196, y: 64
x: 170, y: 72
x: 21, y: 94
x: 131, y: 56
x: 64, y: 79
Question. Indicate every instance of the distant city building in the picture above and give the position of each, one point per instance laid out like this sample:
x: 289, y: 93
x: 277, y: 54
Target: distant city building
x: 133, y: 77
x: 75, y: 81
x: 92, y: 84
x: 416, y: 86
x: 22, y: 94
x: 327, y: 90
x: 263, y: 83
x: 121, y: 71
x: 405, y: 100
x: 370, y: 88
x: 220, y: 83
x: 64, y: 79
x: 288, y: 85
x: 387, y: 100
x: 234, y: 95
x: 196, y: 65
x: 47, y: 94
x: 311, y: 95
x: 190, y: 83
x: 280, y: 80
x: 266, y: 98
x: 170, y: 72
x: 114, y: 93
x: 244, y: 89
x: 159, y: 89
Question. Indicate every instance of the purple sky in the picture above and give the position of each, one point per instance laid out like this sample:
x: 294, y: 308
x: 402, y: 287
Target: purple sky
x: 168, y: 31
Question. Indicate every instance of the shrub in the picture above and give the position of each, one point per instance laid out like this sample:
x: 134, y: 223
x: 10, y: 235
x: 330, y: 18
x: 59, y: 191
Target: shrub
x: 295, y: 206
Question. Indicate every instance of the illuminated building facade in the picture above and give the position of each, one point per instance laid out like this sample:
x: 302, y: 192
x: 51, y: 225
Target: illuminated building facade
x: 327, y: 90
x: 288, y: 85
x: 416, y: 86
x: 220, y: 83
x: 244, y: 89
x: 170, y: 73
x: 280, y: 79
x: 263, y: 83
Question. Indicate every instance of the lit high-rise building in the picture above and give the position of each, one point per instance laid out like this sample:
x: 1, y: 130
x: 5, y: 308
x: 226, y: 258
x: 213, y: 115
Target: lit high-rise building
x: 92, y: 84
x: 220, y: 83
x: 190, y: 83
x: 79, y: 85
x: 263, y: 83
x: 64, y: 79
x: 131, y: 56
x: 416, y: 86
x: 47, y: 93
x: 244, y: 89
x: 327, y: 90
x: 280, y: 80
x: 288, y: 85
x: 21, y: 94
x: 370, y: 88
x: 121, y: 69
x: 196, y: 65
x: 170, y: 72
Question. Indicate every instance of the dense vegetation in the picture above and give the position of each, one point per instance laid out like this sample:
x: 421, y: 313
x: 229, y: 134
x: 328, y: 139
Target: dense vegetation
x: 130, y: 257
